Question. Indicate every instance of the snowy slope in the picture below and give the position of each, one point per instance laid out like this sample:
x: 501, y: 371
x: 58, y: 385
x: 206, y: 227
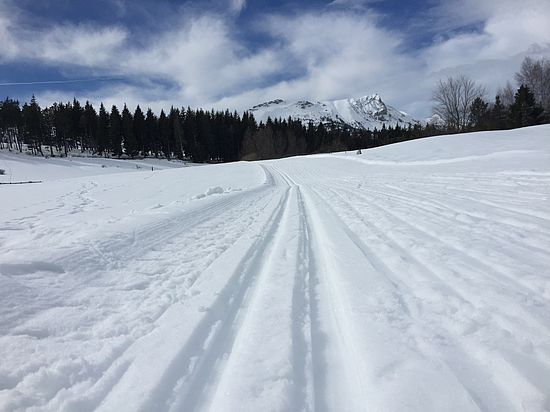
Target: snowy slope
x: 413, y: 277
x: 368, y: 112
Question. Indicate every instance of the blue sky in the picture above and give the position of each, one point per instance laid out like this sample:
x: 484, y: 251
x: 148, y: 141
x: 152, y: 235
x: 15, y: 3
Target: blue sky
x: 237, y: 53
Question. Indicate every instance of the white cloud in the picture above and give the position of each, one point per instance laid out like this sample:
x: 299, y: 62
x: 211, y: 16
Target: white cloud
x: 80, y: 45
x: 340, y: 54
x: 510, y: 31
x: 204, y: 59
x: 331, y: 53
x: 8, y: 48
x: 237, y: 5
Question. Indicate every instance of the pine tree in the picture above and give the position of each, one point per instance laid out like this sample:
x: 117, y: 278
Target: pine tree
x: 498, y: 115
x: 48, y: 129
x: 176, y: 132
x: 525, y: 111
x: 115, y: 132
x: 190, y: 131
x: 151, y: 133
x: 103, y: 138
x: 205, y: 137
x: 478, y: 114
x: 139, y: 129
x: 76, y: 132
x: 10, y: 115
x: 32, y: 122
x: 62, y: 125
x: 129, y: 140
x: 88, y: 122
x: 164, y: 134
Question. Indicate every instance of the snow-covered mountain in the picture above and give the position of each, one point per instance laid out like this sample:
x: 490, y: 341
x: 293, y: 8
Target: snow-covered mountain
x: 366, y: 112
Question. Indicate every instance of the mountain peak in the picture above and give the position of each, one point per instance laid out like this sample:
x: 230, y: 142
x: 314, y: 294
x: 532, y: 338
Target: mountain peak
x: 367, y: 112
x: 375, y: 96
x: 267, y: 104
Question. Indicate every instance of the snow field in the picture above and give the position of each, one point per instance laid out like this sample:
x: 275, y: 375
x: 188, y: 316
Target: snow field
x: 24, y: 167
x: 411, y: 277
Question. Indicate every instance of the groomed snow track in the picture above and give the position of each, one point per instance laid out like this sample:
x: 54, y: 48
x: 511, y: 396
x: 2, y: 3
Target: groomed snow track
x: 329, y: 287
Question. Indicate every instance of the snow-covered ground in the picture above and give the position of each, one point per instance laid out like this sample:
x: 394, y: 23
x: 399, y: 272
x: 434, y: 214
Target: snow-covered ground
x: 412, y: 277
x: 23, y: 167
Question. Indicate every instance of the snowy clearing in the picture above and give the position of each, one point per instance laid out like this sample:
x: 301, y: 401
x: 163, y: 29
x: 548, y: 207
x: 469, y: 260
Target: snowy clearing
x: 412, y: 277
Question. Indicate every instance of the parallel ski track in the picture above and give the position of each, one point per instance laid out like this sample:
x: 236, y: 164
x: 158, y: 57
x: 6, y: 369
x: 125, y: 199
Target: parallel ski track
x: 509, y: 218
x: 292, y: 361
x: 496, y: 201
x: 336, y: 328
x: 507, y: 365
x: 169, y: 234
x: 324, y: 325
x: 535, y: 318
x: 411, y: 275
x: 214, y: 336
x: 432, y: 210
x: 459, y: 357
x: 117, y: 251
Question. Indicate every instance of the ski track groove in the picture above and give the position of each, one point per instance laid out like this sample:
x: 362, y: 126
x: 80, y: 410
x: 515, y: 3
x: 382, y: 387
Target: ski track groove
x: 404, y: 288
x: 541, y: 217
x: 446, y: 220
x: 413, y: 198
x: 433, y: 215
x: 209, y: 342
x: 506, y: 362
x: 110, y: 252
x: 308, y: 340
x: 114, y: 368
x: 412, y: 194
x: 459, y: 350
x: 533, y: 319
x: 314, y: 291
x: 339, y: 330
x: 189, y: 284
x: 307, y: 366
x: 308, y: 317
x: 474, y: 263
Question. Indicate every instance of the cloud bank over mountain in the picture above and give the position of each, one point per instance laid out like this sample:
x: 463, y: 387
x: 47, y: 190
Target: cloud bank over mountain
x: 238, y: 54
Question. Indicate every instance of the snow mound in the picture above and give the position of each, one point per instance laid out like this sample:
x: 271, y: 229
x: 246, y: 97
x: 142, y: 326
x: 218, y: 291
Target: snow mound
x: 216, y: 190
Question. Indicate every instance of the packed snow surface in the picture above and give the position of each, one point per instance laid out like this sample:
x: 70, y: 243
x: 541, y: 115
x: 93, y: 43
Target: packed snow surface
x: 413, y: 277
x: 368, y: 112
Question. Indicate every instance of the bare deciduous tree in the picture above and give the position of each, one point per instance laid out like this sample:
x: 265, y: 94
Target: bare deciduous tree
x: 535, y: 74
x: 453, y: 98
x: 507, y: 94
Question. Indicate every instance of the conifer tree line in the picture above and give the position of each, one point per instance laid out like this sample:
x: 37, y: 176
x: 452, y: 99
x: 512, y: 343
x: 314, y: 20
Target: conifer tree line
x: 196, y: 135
x: 64, y: 127
x: 224, y: 136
